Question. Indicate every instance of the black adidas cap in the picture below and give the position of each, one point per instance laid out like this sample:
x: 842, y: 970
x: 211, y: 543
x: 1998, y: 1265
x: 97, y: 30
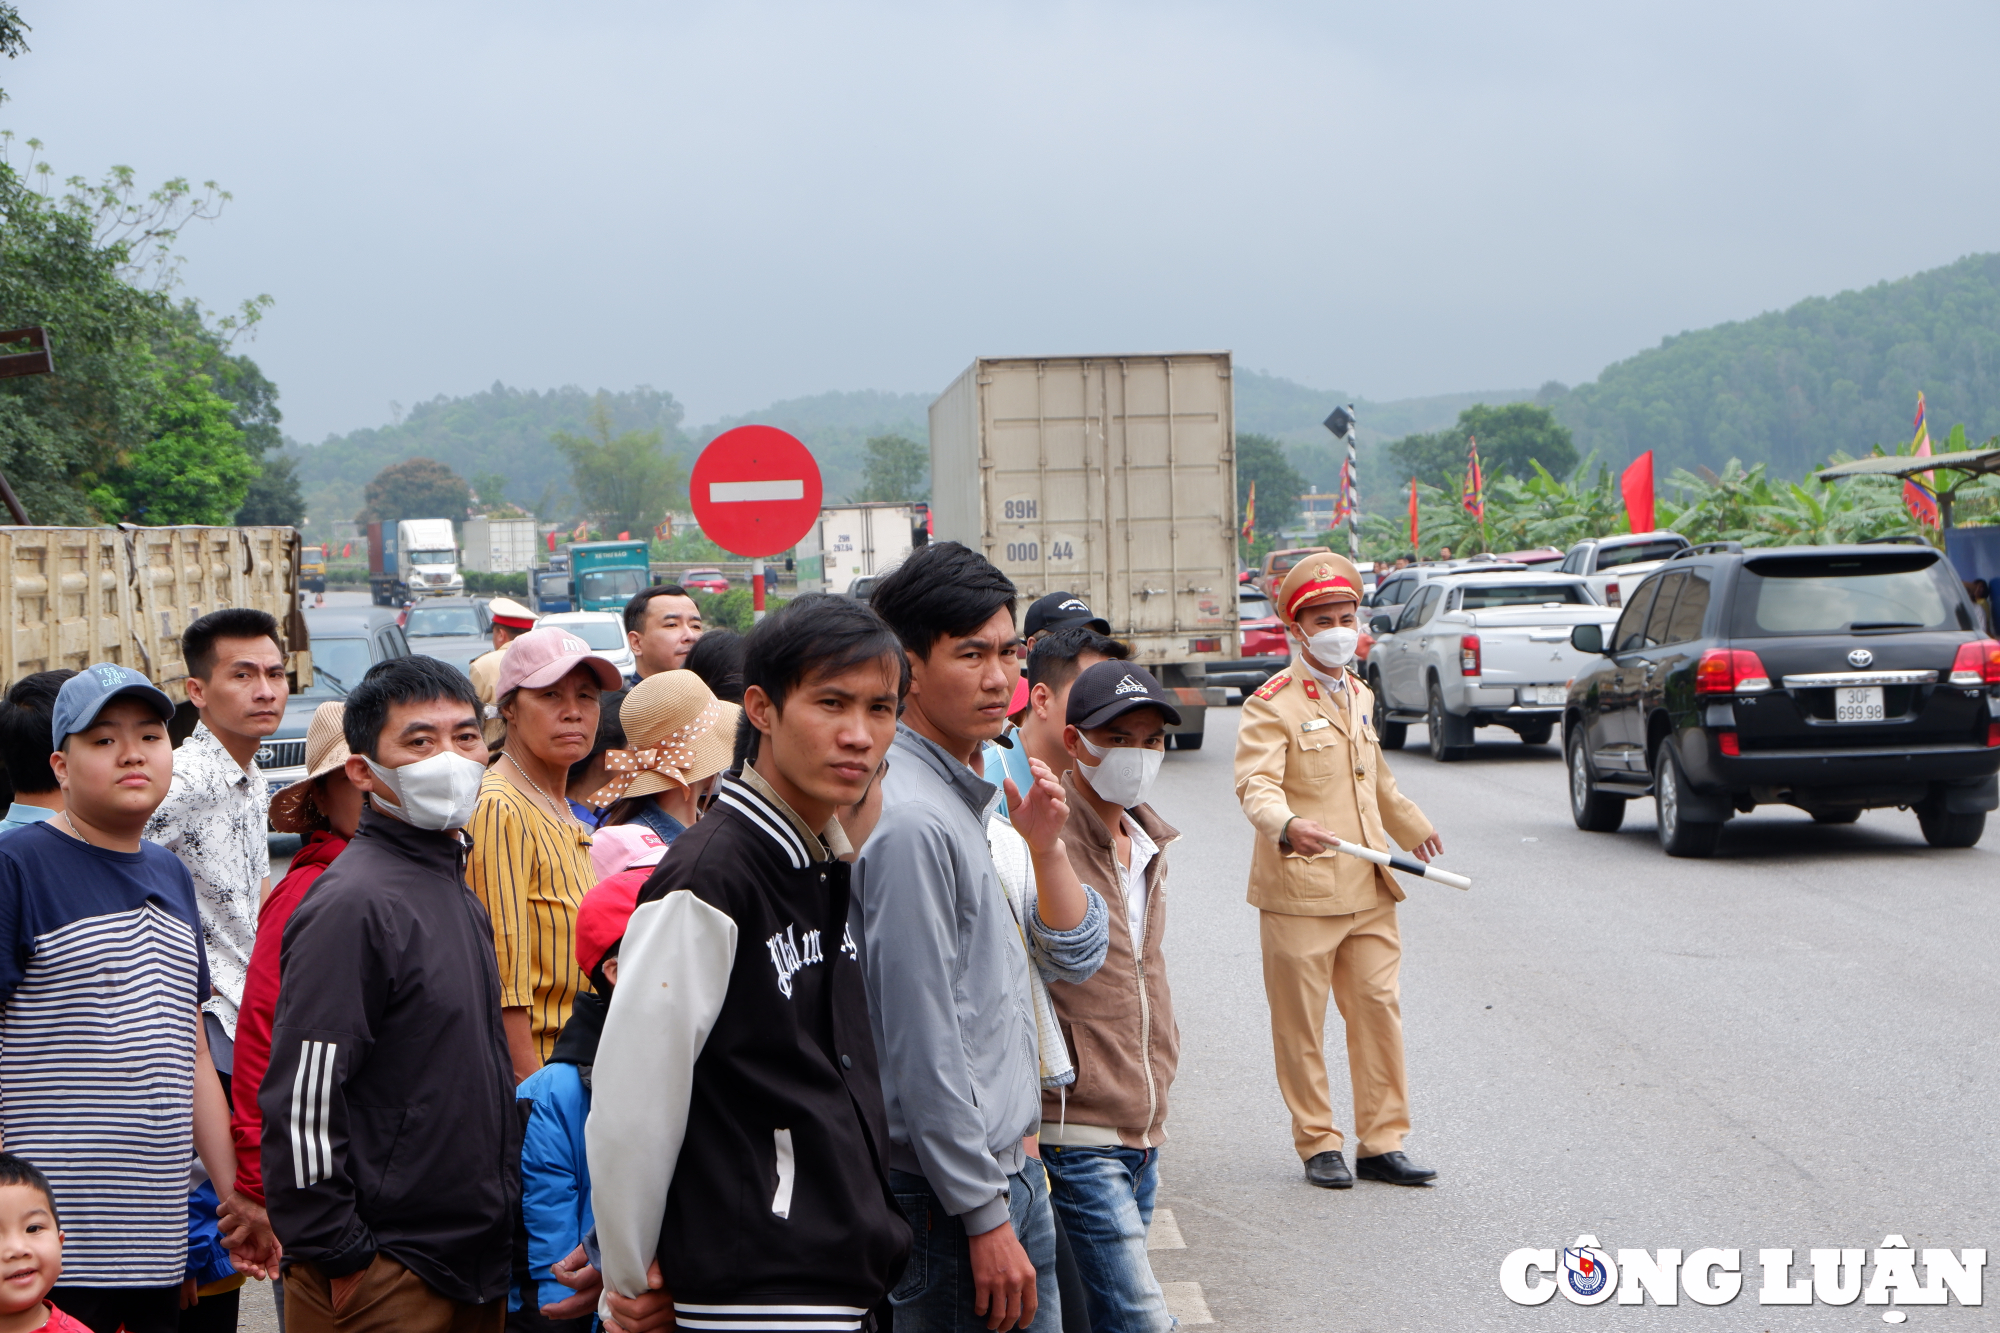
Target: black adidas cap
x: 1059, y: 610
x: 1112, y: 689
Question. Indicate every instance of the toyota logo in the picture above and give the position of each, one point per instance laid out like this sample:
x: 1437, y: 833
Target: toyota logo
x: 266, y: 756
x: 1860, y: 657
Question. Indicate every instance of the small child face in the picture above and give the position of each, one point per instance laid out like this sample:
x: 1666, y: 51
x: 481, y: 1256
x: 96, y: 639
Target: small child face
x: 30, y: 1248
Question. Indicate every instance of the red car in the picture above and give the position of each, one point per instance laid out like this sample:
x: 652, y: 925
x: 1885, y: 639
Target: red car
x: 1263, y: 636
x: 705, y: 580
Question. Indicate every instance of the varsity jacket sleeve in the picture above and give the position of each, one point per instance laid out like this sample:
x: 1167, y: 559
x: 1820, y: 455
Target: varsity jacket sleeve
x: 673, y: 973
x: 335, y: 983
x: 911, y: 925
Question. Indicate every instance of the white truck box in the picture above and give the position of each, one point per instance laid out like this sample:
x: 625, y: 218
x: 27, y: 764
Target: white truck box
x: 501, y: 545
x: 855, y: 541
x: 1110, y: 477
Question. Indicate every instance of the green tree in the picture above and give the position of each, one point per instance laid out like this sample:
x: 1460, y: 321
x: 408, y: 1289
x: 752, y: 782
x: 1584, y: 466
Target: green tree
x: 415, y: 488
x: 1513, y: 438
x: 626, y: 482
x: 489, y: 489
x: 194, y: 469
x: 1261, y: 459
x: 898, y: 469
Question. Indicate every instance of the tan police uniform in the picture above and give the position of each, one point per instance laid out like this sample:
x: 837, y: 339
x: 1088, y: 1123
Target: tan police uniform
x: 485, y: 668
x: 1328, y: 922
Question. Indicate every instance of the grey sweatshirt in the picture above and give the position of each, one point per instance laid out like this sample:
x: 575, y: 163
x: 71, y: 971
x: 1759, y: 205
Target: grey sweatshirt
x: 947, y: 979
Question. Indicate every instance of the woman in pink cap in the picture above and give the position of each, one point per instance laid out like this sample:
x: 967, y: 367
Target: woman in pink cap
x: 530, y: 862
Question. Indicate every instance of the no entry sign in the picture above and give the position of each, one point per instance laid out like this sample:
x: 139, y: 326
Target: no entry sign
x: 755, y: 490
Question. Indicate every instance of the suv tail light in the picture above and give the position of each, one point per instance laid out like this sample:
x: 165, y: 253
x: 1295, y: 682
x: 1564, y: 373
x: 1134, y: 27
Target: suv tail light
x: 1730, y: 671
x: 1611, y: 594
x: 1993, y: 735
x: 1468, y: 654
x: 1977, y: 663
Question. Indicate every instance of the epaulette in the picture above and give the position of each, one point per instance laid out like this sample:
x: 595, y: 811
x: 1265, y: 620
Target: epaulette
x: 1269, y: 689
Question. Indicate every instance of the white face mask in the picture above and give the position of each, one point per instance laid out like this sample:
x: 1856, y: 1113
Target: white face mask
x: 1334, y: 647
x: 1124, y: 774
x: 435, y: 793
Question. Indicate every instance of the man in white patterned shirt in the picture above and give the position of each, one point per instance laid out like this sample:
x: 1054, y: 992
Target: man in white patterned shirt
x: 214, y: 817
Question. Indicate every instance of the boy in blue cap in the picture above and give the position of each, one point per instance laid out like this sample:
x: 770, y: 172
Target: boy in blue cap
x: 105, y: 1076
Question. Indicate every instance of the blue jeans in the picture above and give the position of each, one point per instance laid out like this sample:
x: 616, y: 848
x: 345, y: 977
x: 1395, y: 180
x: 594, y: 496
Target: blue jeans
x: 936, y: 1293
x: 1105, y: 1197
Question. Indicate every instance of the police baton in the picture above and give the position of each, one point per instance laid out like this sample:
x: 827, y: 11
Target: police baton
x: 1409, y: 865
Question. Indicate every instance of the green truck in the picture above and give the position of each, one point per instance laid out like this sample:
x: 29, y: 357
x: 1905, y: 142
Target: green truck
x: 603, y: 576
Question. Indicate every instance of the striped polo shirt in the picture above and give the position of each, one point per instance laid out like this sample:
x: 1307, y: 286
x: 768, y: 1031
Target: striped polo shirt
x: 530, y: 872
x: 101, y: 978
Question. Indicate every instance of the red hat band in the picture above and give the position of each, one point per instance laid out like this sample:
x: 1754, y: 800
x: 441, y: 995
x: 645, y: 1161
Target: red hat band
x: 1328, y: 582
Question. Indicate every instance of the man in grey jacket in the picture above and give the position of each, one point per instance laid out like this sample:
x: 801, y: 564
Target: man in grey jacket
x: 946, y: 966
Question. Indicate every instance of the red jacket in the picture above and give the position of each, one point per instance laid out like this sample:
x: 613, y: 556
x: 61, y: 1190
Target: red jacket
x: 260, y: 1003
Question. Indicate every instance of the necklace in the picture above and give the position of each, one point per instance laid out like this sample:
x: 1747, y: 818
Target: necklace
x: 77, y: 831
x: 562, y: 814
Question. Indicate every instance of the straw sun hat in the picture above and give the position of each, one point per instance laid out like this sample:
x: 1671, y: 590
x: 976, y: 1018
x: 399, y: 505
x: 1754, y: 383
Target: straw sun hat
x: 677, y: 733
x: 292, y: 809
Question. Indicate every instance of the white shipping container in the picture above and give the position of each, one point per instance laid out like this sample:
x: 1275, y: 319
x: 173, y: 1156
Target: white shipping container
x: 1113, y: 478
x: 855, y: 541
x: 501, y: 545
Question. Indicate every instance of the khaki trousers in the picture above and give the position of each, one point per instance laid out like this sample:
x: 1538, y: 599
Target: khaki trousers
x: 1357, y: 957
x: 388, y: 1299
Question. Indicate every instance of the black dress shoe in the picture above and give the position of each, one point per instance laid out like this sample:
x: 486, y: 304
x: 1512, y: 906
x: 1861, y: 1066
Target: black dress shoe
x: 1392, y: 1168
x: 1328, y: 1170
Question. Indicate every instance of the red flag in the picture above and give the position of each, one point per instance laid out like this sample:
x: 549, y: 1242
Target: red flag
x: 1637, y: 487
x: 1475, y: 482
x: 1920, y: 493
x: 625, y: 536
x: 1249, y: 529
x: 1413, y: 515
x: 347, y: 550
x: 552, y: 543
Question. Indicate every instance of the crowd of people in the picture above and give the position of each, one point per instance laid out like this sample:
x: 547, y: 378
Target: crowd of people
x: 810, y: 979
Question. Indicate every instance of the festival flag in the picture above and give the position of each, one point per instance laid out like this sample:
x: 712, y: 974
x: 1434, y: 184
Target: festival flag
x: 1475, y: 482
x: 664, y: 530
x: 1413, y: 515
x: 552, y: 541
x: 625, y: 536
x: 1920, y: 496
x: 1249, y: 532
x: 582, y: 531
x: 1636, y: 484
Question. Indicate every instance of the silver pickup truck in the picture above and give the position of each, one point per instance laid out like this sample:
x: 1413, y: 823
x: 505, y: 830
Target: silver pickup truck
x: 1480, y: 650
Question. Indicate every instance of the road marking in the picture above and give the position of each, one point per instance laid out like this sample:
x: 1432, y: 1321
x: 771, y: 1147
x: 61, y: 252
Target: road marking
x: 1185, y: 1302
x: 1165, y: 1233
x: 732, y: 492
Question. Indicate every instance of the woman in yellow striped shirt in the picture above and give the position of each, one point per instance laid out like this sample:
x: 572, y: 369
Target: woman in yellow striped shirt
x: 530, y: 862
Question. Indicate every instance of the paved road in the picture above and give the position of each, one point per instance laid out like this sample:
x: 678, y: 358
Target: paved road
x: 1790, y: 1045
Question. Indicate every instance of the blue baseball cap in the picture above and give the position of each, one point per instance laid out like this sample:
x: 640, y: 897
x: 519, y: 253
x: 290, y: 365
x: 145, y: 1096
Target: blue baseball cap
x: 84, y: 695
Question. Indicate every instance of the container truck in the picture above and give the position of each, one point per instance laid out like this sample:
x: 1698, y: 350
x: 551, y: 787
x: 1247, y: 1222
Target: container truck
x: 501, y: 545
x: 603, y: 576
x: 853, y: 541
x: 70, y: 597
x: 1110, y: 477
x: 416, y: 557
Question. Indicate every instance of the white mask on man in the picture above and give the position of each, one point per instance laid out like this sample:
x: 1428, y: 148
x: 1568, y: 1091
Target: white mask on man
x: 440, y: 792
x: 1123, y: 774
x: 1334, y: 647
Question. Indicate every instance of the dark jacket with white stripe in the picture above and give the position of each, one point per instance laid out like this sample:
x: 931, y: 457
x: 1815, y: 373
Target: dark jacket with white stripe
x: 389, y: 1116
x: 736, y: 1125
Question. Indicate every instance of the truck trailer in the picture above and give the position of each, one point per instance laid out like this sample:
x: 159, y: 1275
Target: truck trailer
x: 501, y: 545
x: 1111, y: 477
x: 416, y: 557
x: 855, y: 541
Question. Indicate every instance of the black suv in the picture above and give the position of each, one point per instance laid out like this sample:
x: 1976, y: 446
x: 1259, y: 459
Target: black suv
x: 1832, y: 678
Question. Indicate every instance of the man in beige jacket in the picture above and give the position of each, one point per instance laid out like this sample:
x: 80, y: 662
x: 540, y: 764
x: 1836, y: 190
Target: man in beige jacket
x: 1310, y: 774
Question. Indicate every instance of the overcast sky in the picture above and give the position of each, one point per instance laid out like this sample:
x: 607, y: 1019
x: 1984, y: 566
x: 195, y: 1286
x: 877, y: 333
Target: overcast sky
x: 744, y: 202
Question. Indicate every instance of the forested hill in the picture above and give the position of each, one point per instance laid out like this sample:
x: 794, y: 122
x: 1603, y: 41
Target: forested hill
x: 1791, y: 387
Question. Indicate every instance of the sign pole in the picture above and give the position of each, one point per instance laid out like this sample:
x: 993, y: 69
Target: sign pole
x: 757, y: 589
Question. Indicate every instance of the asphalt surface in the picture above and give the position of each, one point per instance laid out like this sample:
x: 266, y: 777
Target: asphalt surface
x: 1790, y: 1045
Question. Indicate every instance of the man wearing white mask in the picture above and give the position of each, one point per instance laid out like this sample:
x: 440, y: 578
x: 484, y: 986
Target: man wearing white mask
x: 1101, y: 1136
x: 392, y: 1188
x: 1310, y: 775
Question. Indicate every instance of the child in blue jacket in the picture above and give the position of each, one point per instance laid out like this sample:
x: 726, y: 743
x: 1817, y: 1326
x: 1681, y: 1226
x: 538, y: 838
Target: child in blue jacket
x: 555, y: 1173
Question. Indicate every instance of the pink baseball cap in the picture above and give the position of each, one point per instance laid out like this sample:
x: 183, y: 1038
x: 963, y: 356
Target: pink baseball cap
x: 623, y: 846
x: 544, y: 656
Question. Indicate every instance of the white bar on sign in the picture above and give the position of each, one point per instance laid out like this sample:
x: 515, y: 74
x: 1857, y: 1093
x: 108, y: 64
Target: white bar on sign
x: 726, y: 492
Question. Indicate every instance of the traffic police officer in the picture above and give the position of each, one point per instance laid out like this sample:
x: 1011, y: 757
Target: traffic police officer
x: 510, y: 621
x: 1310, y: 774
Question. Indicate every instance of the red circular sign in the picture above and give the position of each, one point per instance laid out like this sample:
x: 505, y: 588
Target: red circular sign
x: 755, y: 490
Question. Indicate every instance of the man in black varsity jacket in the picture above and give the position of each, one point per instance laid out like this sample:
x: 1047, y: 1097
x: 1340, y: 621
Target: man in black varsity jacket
x: 738, y: 1145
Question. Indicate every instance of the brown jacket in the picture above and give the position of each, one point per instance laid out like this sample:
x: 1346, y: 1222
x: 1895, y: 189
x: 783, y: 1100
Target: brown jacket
x: 1119, y: 1025
x: 1305, y: 751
